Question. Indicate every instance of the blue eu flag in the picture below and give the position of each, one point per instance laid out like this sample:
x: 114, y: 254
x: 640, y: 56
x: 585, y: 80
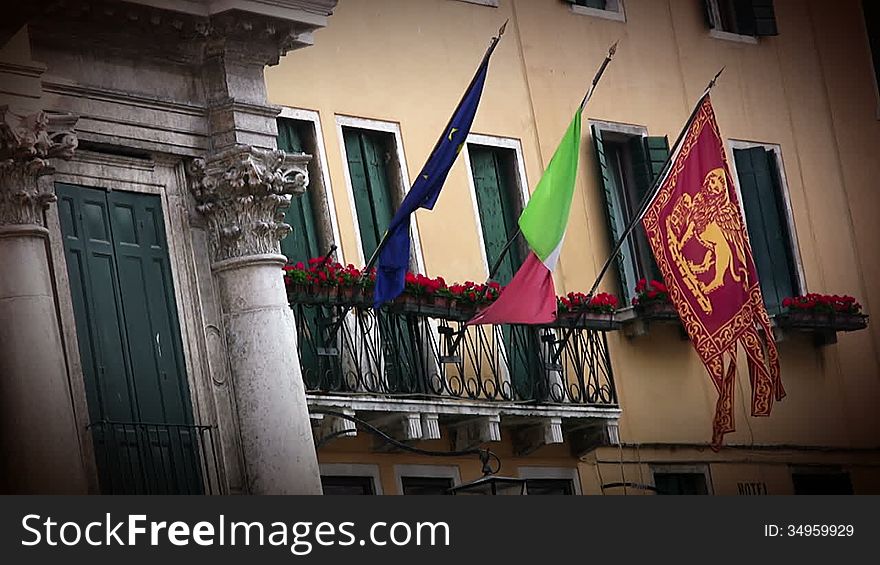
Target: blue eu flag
x: 394, y: 254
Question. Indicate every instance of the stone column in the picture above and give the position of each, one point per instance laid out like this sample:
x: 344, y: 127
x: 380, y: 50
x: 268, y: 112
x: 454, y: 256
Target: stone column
x: 39, y: 445
x: 243, y: 193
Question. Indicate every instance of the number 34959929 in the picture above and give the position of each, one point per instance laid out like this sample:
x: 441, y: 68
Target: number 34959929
x: 808, y: 530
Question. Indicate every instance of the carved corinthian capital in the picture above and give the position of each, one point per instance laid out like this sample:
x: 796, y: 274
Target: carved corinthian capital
x: 244, y: 192
x: 26, y: 144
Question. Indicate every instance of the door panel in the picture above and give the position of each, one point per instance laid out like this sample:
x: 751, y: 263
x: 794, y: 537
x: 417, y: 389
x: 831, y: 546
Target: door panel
x: 129, y: 341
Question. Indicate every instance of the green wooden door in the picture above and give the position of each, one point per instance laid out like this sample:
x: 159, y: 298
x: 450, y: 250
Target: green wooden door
x: 129, y: 341
x: 768, y: 228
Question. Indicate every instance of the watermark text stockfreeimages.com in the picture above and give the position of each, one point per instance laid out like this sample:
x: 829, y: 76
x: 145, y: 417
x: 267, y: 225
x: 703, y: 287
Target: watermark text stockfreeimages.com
x: 300, y: 538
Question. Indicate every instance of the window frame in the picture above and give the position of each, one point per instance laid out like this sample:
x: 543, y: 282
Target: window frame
x: 353, y: 470
x: 794, y: 246
x: 875, y: 61
x: 616, y: 13
x: 426, y: 472
x: 487, y: 3
x: 521, y: 179
x: 723, y: 34
x: 556, y: 473
x: 326, y: 188
x: 403, y: 178
x: 689, y: 469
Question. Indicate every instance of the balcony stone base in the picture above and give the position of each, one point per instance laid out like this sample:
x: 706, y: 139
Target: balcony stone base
x: 470, y: 423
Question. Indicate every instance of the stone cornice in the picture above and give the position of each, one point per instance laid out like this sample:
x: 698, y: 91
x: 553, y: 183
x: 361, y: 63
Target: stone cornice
x: 27, y: 142
x: 243, y: 193
x: 260, y: 31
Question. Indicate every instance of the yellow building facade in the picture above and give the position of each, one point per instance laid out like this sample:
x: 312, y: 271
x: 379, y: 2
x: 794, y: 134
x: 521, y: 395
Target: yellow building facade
x: 807, y: 95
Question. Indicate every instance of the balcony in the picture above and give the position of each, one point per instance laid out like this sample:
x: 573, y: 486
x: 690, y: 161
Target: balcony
x: 414, y: 366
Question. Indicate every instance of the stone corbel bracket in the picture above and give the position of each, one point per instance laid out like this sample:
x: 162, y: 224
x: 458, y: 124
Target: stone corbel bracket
x: 243, y: 192
x: 27, y: 142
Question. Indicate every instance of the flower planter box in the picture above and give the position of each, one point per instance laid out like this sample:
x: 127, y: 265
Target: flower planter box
x: 433, y: 306
x: 638, y: 319
x: 830, y: 321
x: 354, y: 296
x: 311, y: 294
x: 586, y: 321
x: 657, y: 311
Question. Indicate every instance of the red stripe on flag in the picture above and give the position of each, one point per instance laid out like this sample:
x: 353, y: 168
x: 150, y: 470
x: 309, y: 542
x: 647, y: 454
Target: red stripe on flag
x: 530, y: 298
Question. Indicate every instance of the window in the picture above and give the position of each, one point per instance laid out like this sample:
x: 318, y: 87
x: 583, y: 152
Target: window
x: 871, y: 9
x: 608, y: 9
x: 426, y: 485
x: 426, y: 479
x: 680, y: 483
x: 629, y: 162
x: 499, y: 203
x: 347, y: 485
x: 754, y: 18
x: 540, y: 487
x: 542, y: 481
x: 821, y: 481
x: 766, y: 209
x: 350, y: 478
x: 490, y: 3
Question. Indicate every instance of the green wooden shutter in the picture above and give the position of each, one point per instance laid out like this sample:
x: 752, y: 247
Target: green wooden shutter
x: 370, y: 185
x: 496, y: 209
x: 767, y: 227
x: 302, y: 244
x: 649, y: 156
x: 380, y: 187
x: 361, y: 190
x: 617, y: 215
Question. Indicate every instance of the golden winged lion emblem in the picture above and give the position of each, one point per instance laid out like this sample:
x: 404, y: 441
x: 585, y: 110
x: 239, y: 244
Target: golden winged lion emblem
x: 711, y: 218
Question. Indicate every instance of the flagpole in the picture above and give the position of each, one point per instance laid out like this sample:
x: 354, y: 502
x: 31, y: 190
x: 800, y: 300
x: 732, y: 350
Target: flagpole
x: 655, y: 187
x: 596, y: 78
x: 643, y: 208
x: 489, y: 51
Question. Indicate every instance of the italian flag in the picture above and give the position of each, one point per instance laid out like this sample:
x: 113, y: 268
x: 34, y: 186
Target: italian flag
x: 530, y: 298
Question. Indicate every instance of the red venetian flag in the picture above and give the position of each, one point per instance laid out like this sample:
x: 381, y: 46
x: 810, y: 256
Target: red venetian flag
x: 695, y: 227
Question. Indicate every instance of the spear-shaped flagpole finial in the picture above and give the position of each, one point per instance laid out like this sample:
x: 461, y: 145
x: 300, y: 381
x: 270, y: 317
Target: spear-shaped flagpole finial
x: 611, y: 51
x: 503, y: 27
x: 715, y: 78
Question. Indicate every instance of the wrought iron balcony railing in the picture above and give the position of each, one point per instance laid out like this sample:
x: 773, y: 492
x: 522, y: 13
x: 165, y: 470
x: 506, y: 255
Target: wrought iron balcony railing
x: 419, y: 351
x: 142, y: 458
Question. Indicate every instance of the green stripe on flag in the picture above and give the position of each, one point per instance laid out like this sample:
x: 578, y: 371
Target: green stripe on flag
x: 545, y: 218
